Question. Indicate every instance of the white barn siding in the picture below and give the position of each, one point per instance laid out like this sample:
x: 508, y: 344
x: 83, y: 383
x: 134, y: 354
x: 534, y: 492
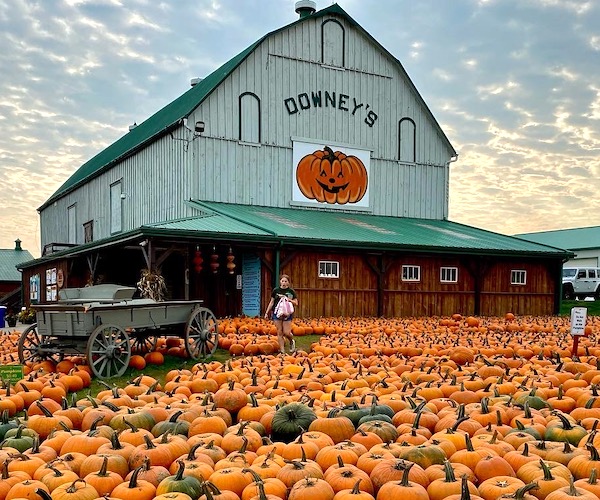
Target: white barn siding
x: 154, y: 182
x: 217, y: 166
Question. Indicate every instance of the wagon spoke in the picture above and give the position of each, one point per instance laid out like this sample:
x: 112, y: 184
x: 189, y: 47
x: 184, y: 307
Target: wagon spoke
x: 108, y: 351
x: 201, y: 333
x: 100, y: 365
x: 142, y: 343
x: 33, y: 346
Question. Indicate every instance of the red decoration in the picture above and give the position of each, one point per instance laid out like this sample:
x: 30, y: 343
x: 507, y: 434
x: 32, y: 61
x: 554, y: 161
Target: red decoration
x: 198, y: 260
x: 230, y: 264
x: 214, y: 261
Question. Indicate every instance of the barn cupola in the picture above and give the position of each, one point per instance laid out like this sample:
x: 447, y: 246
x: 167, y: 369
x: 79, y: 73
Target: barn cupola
x: 18, y: 245
x: 305, y: 8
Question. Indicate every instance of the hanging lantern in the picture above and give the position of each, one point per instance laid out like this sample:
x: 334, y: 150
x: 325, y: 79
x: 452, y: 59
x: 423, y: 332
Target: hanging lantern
x: 198, y: 260
x: 214, y: 261
x: 230, y: 264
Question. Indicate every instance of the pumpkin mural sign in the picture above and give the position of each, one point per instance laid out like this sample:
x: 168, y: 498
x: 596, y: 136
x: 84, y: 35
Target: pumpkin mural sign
x: 332, y: 177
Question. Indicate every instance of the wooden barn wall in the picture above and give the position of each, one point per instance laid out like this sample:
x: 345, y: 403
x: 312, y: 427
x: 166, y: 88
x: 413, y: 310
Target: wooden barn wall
x: 353, y: 294
x: 427, y: 297
x: 536, y: 297
x: 62, y: 265
x: 8, y: 287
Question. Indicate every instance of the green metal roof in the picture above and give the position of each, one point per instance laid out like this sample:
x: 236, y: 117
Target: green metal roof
x: 357, y: 230
x: 173, y: 113
x: 317, y: 227
x: 207, y: 225
x: 9, y: 260
x: 211, y: 223
x: 572, y: 239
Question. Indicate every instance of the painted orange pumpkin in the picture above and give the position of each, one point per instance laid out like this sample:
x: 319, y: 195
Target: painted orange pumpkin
x: 332, y: 178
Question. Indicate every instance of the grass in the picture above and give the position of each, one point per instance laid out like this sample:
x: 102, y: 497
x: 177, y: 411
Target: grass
x: 174, y: 363
x: 303, y: 343
x: 593, y: 307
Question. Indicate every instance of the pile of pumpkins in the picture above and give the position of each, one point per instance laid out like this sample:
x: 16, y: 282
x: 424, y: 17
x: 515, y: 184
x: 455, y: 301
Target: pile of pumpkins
x: 429, y: 408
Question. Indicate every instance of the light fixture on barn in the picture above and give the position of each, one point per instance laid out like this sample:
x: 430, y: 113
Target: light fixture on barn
x: 230, y: 262
x: 214, y: 261
x: 198, y: 260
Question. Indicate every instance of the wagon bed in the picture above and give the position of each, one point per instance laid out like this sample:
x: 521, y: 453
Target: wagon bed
x: 106, y: 324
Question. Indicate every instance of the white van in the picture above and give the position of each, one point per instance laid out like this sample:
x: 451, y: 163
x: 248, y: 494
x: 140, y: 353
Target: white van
x: 580, y: 282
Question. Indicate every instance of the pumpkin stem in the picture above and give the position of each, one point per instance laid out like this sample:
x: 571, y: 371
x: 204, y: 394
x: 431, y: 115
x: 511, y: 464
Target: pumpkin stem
x: 255, y: 477
x: 594, y: 455
x: 130, y: 425
x: 547, y: 472
x: 45, y: 411
x: 149, y: 444
x: 565, y: 423
x: 469, y: 443
x: 43, y: 494
x: 133, y: 482
x: 104, y: 468
x: 405, y: 473
x: 95, y: 423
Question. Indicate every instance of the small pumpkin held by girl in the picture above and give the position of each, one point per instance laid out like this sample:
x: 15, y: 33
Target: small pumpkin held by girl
x: 282, y: 304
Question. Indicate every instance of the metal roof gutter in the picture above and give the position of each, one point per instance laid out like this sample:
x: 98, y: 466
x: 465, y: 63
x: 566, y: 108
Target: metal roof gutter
x: 366, y: 246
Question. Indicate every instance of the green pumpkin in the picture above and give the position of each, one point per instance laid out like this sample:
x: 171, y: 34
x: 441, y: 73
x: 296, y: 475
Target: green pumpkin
x: 423, y: 455
x: 6, y: 423
x: 382, y: 410
x: 378, y: 416
x: 179, y: 483
x: 290, y: 420
x: 20, y: 438
x: 173, y: 425
x: 354, y: 413
x: 138, y: 418
x: 564, y: 430
x: 532, y: 401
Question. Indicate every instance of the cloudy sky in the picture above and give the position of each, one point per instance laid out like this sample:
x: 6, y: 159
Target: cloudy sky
x: 515, y: 84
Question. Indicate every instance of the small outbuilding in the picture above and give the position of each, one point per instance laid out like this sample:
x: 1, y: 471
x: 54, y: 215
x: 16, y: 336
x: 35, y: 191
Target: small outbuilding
x: 10, y: 276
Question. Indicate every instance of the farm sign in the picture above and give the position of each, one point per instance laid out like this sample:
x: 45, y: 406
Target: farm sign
x: 330, y: 175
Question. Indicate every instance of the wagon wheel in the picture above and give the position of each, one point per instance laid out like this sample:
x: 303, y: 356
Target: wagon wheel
x: 142, y: 343
x: 201, y: 333
x: 32, y: 347
x: 108, y: 351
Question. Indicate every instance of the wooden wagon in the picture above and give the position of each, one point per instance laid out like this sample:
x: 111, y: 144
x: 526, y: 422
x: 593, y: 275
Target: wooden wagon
x: 106, y: 324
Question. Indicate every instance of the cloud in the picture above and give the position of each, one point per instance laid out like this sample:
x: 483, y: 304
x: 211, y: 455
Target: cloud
x: 513, y: 83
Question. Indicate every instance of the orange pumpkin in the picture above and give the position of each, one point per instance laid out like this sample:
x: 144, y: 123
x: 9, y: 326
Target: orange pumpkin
x: 332, y: 178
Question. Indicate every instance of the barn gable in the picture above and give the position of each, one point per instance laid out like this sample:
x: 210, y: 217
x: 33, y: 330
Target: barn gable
x: 290, y: 44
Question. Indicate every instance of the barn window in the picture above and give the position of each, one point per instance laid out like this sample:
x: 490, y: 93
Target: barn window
x: 116, y: 208
x: 518, y: 277
x: 329, y: 269
x: 411, y: 273
x: 407, y: 140
x: 448, y: 274
x: 72, y: 223
x: 249, y: 112
x: 333, y: 43
x: 88, y: 231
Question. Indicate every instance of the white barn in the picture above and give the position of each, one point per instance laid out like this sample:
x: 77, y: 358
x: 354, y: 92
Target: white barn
x: 219, y: 171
